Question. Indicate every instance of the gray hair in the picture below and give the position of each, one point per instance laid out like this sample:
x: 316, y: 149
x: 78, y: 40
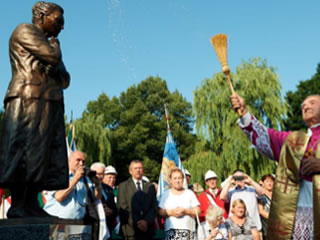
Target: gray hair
x: 212, y: 214
x: 41, y: 9
x: 135, y: 162
x: 96, y: 165
x: 312, y: 95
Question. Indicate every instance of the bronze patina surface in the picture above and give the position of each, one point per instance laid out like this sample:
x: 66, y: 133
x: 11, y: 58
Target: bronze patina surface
x: 33, y: 155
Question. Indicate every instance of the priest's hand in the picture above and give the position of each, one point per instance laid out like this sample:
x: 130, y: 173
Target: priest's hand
x: 311, y: 166
x: 238, y: 103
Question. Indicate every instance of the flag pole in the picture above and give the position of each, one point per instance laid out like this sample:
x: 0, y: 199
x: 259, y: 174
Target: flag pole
x: 168, y: 126
x: 71, y: 119
x: 72, y: 129
x: 167, y: 115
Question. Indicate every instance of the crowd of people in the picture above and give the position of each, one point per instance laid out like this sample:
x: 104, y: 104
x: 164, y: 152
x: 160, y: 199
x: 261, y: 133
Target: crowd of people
x: 130, y: 210
x: 235, y: 211
x: 240, y: 209
x: 34, y: 158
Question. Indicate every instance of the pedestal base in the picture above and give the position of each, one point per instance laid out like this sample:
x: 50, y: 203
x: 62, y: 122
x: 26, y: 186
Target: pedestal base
x: 44, y: 229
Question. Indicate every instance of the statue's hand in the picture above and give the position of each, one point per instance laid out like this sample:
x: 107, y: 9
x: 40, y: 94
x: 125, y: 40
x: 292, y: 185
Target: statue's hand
x: 54, y: 41
x: 50, y: 69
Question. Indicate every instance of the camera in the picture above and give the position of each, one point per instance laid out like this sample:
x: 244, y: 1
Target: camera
x: 239, y: 178
x: 90, y: 173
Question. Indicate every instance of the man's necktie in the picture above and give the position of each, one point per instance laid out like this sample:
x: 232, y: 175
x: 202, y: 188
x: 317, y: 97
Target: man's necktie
x: 140, y: 197
x: 138, y: 186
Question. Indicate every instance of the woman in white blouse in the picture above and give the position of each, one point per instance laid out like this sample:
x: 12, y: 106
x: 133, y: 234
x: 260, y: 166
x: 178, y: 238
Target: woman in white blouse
x: 179, y: 207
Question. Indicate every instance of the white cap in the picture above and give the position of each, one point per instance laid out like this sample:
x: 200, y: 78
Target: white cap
x: 145, y: 179
x: 187, y: 172
x: 210, y: 174
x: 110, y: 170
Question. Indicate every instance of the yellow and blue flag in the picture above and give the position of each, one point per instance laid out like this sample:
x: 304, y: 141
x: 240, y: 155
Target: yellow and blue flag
x: 170, y: 160
x: 71, y: 143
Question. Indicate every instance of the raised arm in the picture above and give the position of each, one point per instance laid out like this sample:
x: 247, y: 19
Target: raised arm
x: 267, y: 141
x: 63, y: 194
x: 225, y: 189
x: 257, y: 187
x: 238, y: 103
x: 33, y: 40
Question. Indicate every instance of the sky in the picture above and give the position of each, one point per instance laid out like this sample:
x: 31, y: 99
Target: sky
x: 110, y: 45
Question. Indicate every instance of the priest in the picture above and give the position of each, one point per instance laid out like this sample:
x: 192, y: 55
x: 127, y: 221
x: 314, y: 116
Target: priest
x: 295, y: 208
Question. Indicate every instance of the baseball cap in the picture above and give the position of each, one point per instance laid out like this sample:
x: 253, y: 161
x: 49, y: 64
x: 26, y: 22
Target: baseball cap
x: 110, y: 170
x: 210, y: 174
x: 187, y: 172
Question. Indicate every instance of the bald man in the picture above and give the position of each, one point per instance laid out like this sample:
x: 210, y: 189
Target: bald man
x: 70, y: 203
x: 295, y: 208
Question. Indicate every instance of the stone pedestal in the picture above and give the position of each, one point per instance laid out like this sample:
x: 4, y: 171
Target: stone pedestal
x: 44, y: 229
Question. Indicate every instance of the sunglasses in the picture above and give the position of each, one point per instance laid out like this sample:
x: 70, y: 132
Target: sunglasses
x: 242, y: 229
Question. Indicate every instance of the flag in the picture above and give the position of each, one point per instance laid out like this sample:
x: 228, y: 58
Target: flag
x: 2, y: 200
x: 71, y: 143
x: 5, y: 205
x: 2, y: 192
x: 170, y: 160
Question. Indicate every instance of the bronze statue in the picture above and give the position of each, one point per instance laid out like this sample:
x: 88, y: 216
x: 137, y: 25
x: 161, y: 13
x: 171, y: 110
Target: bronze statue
x: 33, y: 154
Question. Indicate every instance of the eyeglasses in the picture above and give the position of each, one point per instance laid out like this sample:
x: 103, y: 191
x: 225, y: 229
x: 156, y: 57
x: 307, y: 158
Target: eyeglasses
x: 242, y: 229
x: 220, y: 218
x: 58, y: 20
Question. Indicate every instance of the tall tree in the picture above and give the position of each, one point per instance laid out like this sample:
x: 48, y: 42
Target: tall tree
x: 295, y: 98
x: 216, y: 121
x: 201, y: 161
x: 137, y: 124
x: 93, y: 139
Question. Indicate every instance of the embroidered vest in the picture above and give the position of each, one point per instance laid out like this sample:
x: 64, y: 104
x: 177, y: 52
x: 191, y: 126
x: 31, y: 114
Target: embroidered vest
x: 286, y: 189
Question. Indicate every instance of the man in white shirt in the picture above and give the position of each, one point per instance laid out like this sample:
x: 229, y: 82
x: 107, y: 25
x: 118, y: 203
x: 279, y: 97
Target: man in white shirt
x: 70, y: 203
x: 245, y: 189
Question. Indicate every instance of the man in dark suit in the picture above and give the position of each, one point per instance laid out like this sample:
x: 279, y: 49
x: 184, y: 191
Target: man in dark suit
x: 137, y: 204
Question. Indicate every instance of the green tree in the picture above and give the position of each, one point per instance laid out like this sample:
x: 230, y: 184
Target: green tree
x: 152, y: 169
x: 93, y: 139
x: 199, y: 163
x: 216, y: 121
x: 295, y: 98
x: 137, y: 124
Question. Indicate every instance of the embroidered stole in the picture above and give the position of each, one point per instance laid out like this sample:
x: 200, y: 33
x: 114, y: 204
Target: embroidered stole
x: 286, y: 189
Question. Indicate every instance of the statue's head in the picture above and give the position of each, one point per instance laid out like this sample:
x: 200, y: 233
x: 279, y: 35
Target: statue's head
x: 48, y: 16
